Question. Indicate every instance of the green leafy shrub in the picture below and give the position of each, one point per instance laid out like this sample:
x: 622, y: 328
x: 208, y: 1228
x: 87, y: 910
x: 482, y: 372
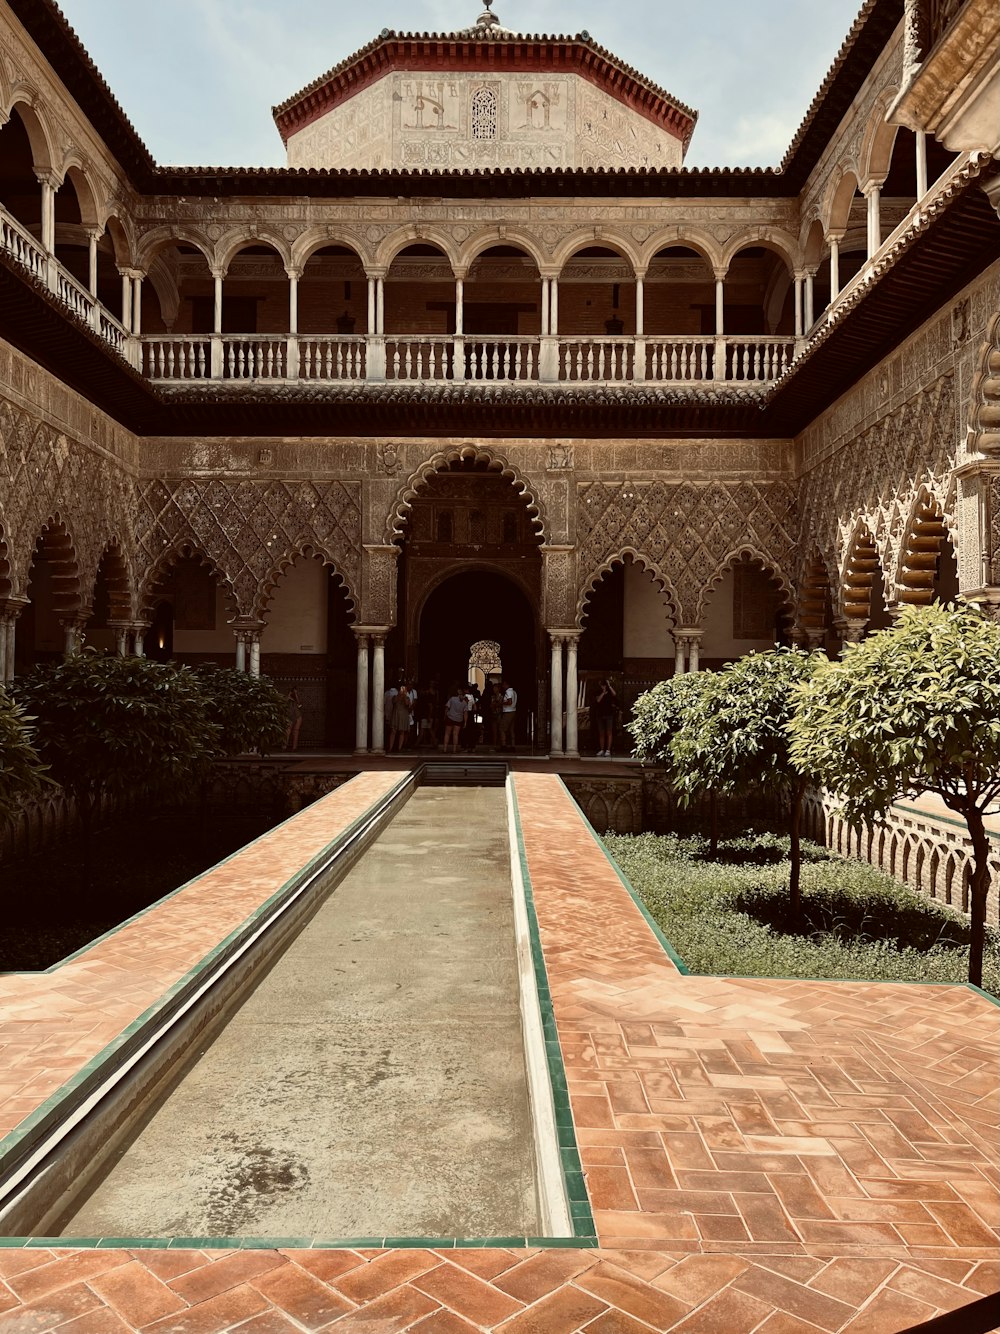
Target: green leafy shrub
x: 21, y: 770
x: 250, y: 713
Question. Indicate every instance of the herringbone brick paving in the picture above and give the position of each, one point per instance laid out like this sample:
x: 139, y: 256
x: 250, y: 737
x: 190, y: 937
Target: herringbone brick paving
x: 767, y: 1156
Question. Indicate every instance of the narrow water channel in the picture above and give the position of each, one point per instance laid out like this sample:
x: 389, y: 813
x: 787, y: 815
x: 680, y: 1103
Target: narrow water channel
x: 373, y: 1084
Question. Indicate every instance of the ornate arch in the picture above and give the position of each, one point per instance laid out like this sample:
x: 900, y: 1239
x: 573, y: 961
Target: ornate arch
x: 75, y: 170
x: 746, y: 551
x: 5, y: 584
x: 56, y: 540
x: 397, y: 241
x: 25, y: 101
x: 159, y: 238
x: 858, y: 579
x: 815, y: 593
x: 488, y: 237
x: 878, y: 139
x: 439, y: 462
x: 923, y: 539
x: 186, y: 549
x: 701, y: 242
x: 771, y: 238
x: 984, y: 408
x: 122, y: 240
x: 120, y: 581
x: 310, y: 551
x: 839, y: 198
x: 238, y: 238
x: 316, y: 238
x: 440, y: 577
x: 595, y: 236
x: 662, y: 581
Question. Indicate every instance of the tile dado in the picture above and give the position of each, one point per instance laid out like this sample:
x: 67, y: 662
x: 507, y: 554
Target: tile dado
x: 770, y: 1156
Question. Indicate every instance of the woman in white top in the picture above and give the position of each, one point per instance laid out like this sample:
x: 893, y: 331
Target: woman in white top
x: 454, y: 716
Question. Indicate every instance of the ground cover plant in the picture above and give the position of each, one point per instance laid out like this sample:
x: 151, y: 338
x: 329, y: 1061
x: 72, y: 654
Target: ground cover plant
x: 732, y: 916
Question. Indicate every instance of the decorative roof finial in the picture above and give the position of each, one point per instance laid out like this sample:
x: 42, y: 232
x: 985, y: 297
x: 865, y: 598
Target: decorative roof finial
x: 487, y: 19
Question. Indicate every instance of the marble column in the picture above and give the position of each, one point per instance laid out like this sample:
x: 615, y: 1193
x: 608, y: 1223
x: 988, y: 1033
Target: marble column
x: 545, y: 308
x: 139, y: 629
x: 10, y: 609
x: 241, y: 651
x: 136, y: 302
x: 872, y: 194
x: 126, y: 300
x: 48, y: 237
x: 834, y: 268
x: 556, y: 695
x: 921, y: 147
x: 810, y: 317
x: 253, y: 665
x: 93, y: 236
x: 694, y: 642
x: 361, y: 701
x: 554, y: 307
x: 378, y: 691
x: 798, y: 305
x: 640, y: 307
x: 572, y: 695
x: 680, y: 653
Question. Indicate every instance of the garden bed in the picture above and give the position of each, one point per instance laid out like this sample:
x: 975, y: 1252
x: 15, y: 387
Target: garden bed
x: 731, y: 916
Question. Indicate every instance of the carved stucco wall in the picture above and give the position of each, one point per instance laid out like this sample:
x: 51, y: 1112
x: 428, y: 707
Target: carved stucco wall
x: 896, y: 436
x: 425, y: 120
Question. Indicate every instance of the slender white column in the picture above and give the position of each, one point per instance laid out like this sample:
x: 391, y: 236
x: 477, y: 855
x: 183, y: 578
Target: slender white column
x: 545, y: 307
x: 371, y: 304
x: 8, y: 659
x: 48, y: 213
x: 640, y: 308
x: 555, y: 696
x: 572, y: 695
x: 720, y: 304
x: 921, y: 146
x: 378, y: 691
x: 380, y: 305
x: 217, y: 312
x: 126, y: 301
x: 361, y: 706
x: 554, y: 306
x: 834, y: 268
x: 459, y: 306
x: 137, y: 304
x: 810, y: 299
x: 680, y: 653
x: 121, y: 641
x: 92, y: 237
x: 138, y: 642
x: 293, y: 301
x: 874, y: 220
x: 73, y: 632
x: 241, y: 652
x: 694, y: 638
x: 255, y: 653
x: 798, y: 305
x: 5, y: 627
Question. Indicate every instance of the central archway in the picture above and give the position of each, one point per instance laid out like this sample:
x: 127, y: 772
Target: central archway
x: 467, y: 607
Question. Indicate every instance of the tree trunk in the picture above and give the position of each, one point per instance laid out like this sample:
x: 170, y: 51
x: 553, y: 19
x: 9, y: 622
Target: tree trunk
x: 978, y: 891
x: 795, y: 851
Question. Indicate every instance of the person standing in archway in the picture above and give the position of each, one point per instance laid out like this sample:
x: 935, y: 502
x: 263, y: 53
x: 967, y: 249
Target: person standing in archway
x: 454, y: 717
x: 606, y: 704
x: 401, y: 709
x: 508, y: 715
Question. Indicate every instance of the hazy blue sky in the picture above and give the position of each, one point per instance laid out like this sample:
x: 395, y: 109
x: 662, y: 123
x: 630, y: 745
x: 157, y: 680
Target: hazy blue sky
x: 197, y: 78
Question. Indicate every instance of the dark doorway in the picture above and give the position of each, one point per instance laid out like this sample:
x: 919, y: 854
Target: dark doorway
x: 474, y: 605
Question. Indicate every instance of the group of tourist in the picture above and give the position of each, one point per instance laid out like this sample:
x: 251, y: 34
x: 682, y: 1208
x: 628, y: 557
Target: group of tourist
x: 470, y: 717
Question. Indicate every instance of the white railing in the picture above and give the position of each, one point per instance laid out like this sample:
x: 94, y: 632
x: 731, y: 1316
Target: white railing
x: 757, y: 360
x: 76, y: 296
x: 419, y: 358
x: 680, y: 359
x: 176, y: 358
x: 254, y: 357
x: 331, y: 357
x: 501, y: 358
x: 23, y: 247
x: 112, y: 331
x: 597, y: 360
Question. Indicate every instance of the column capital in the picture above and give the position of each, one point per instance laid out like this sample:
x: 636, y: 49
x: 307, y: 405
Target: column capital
x: 293, y: 274
x: 871, y: 185
x: 835, y: 234
x: 11, y: 607
x: 719, y: 272
x: 689, y: 632
x: 46, y: 176
x: 851, y: 631
x: 374, y: 274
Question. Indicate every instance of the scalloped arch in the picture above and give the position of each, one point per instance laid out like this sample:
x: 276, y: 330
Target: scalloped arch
x: 984, y: 406
x: 862, y: 562
x: 167, y: 559
x: 119, y: 576
x: 662, y: 581
x: 308, y: 551
x: 929, y: 525
x: 56, y: 537
x: 439, y: 462
x: 745, y: 551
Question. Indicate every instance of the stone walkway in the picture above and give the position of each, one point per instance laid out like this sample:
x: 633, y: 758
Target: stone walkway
x: 763, y: 1156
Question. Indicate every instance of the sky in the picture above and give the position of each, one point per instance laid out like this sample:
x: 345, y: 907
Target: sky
x: 198, y: 78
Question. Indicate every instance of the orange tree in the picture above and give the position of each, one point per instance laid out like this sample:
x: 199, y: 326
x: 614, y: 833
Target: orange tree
x: 915, y: 708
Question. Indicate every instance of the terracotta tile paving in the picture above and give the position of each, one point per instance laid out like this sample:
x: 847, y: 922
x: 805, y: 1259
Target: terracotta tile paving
x: 768, y: 1157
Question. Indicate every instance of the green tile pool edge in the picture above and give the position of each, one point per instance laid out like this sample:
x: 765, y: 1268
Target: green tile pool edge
x: 584, y: 1230
x: 682, y: 967
x: 31, y: 1122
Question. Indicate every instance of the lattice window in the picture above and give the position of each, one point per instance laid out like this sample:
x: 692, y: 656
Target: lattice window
x: 485, y: 654
x: 484, y: 114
